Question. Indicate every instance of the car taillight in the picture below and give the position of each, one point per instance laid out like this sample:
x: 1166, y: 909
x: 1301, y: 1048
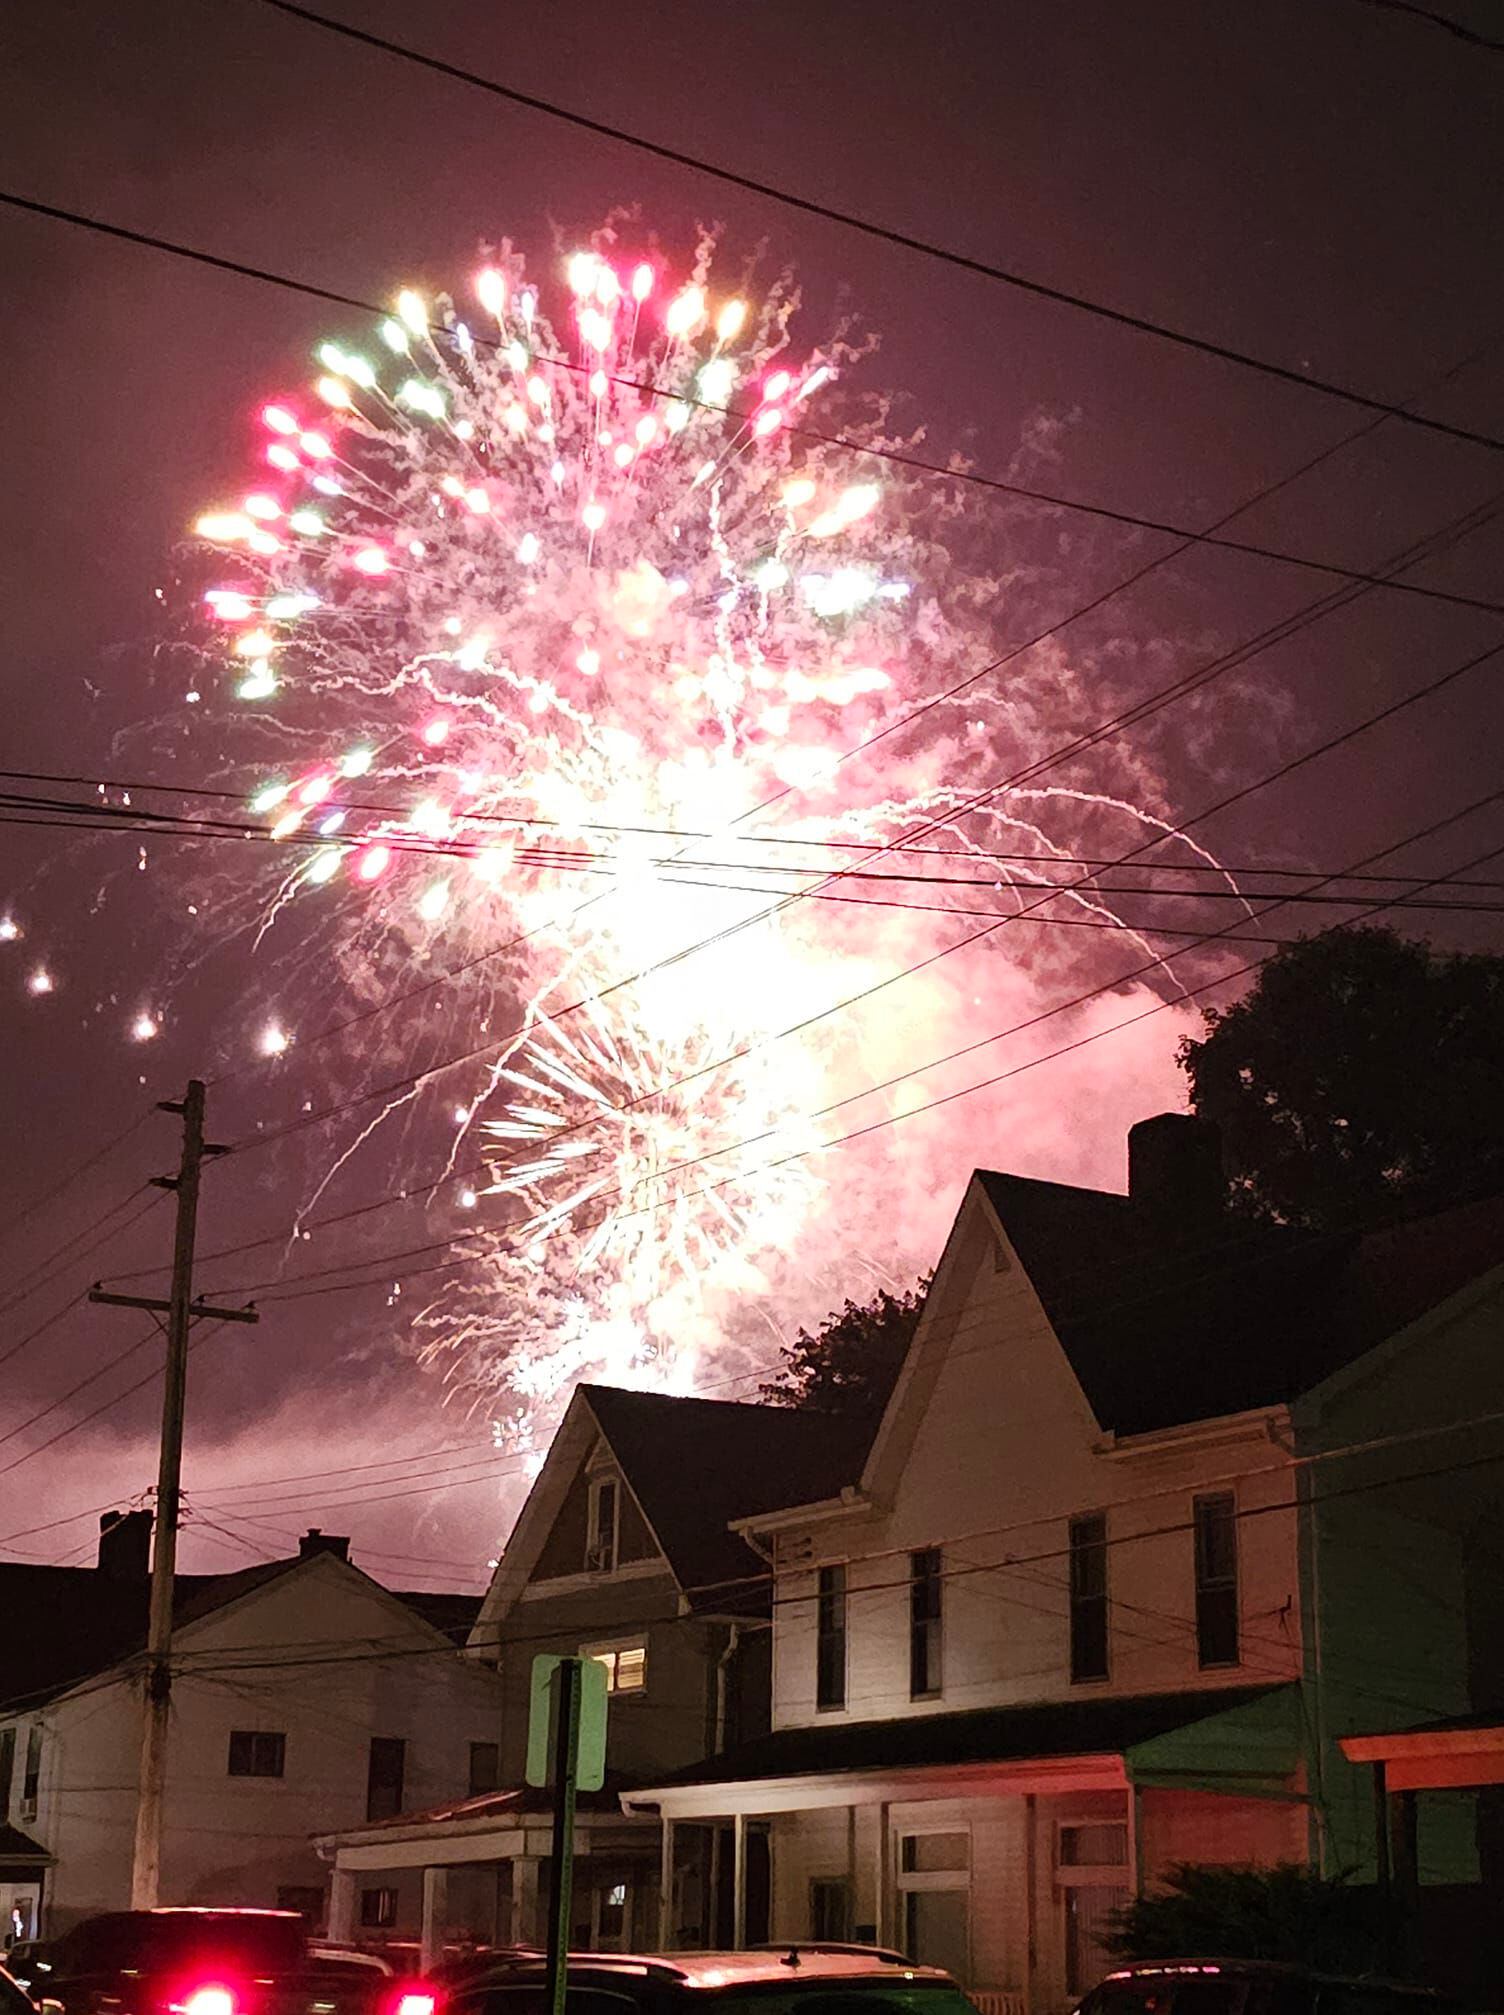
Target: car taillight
x: 409, y: 2001
x: 210, y: 1999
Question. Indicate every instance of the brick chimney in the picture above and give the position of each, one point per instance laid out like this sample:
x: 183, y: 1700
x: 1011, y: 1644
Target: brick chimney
x: 314, y: 1541
x: 125, y: 1545
x: 1175, y: 1180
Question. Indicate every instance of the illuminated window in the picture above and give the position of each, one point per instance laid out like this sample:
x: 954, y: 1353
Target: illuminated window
x: 257, y: 1752
x: 626, y: 1665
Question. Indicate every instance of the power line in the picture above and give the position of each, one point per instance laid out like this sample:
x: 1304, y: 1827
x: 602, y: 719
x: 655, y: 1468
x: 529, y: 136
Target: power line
x: 37, y: 1203
x: 1438, y: 20
x: 164, y: 245
x: 415, y: 1078
x: 885, y: 234
x: 570, y: 860
x: 288, y: 1290
x: 896, y: 457
x: 977, y: 853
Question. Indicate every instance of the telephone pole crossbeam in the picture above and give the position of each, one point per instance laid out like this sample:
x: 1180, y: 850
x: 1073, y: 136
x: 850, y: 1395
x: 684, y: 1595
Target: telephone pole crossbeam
x: 197, y: 1309
x: 182, y: 1311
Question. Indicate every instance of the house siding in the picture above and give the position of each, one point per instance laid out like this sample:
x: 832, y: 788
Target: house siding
x: 238, y: 1840
x: 1006, y: 1452
x: 1404, y: 1546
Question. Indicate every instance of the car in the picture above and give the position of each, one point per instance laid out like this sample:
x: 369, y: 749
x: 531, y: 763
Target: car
x: 779, y: 1980
x: 1251, y: 1987
x: 214, y: 1962
x: 28, y: 1964
x: 16, y: 1999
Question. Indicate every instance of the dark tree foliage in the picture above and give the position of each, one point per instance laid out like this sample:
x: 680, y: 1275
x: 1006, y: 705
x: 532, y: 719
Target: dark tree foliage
x: 1363, y: 1071
x: 1286, y: 1912
x: 851, y: 1363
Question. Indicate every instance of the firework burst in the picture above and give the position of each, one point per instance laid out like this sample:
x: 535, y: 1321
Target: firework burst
x: 539, y: 605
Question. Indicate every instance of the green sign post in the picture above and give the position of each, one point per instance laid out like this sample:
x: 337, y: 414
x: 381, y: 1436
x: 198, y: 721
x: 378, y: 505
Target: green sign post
x: 567, y: 1717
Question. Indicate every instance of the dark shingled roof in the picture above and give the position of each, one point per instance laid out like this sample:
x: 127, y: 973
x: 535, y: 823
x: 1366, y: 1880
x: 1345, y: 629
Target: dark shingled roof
x: 1077, y: 1727
x: 63, y: 1624
x: 696, y: 1464
x: 1159, y: 1337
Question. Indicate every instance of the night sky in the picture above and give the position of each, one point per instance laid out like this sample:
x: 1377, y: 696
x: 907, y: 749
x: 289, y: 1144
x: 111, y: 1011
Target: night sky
x: 1316, y: 183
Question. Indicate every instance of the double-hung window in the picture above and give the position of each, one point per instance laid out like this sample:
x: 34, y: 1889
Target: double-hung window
x: 257, y: 1752
x: 830, y: 1636
x: 384, y: 1776
x: 31, y: 1778
x: 933, y: 1880
x: 1088, y: 1612
x: 485, y: 1768
x: 926, y: 1585
x: 626, y: 1664
x: 1216, y: 1523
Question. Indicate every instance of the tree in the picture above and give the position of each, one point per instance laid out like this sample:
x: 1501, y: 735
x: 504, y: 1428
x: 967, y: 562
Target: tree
x: 1286, y: 1912
x: 1363, y: 1070
x: 851, y: 1363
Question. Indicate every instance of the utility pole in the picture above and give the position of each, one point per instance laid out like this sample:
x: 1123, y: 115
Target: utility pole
x: 182, y: 1311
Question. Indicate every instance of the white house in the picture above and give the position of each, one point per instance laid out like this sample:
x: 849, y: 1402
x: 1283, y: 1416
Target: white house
x: 304, y: 1695
x: 1059, y: 1635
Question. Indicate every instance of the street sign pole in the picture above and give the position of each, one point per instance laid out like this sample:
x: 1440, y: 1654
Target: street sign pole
x: 566, y: 1689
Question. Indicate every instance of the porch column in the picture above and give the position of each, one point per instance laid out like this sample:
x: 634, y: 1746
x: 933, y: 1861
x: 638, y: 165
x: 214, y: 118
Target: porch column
x: 666, y: 1886
x: 527, y: 1927
x: 342, y: 1906
x: 435, y: 1900
x: 880, y: 1877
x: 738, y: 1881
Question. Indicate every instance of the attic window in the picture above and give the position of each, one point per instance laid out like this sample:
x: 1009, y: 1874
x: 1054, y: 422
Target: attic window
x: 600, y: 1544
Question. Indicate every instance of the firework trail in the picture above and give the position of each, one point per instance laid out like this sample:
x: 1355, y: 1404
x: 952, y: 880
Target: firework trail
x: 535, y: 627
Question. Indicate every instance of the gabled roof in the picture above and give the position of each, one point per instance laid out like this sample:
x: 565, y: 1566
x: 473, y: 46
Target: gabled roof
x: 64, y: 1624
x: 1160, y: 1336
x: 694, y: 1465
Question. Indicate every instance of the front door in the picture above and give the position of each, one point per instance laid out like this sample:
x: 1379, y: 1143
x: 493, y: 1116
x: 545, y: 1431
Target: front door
x: 19, y: 1905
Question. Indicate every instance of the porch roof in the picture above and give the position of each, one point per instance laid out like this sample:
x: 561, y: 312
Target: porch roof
x: 19, y: 1852
x: 1077, y: 1742
x: 1467, y: 1749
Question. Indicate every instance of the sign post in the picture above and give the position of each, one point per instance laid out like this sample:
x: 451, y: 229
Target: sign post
x: 569, y: 1706
x: 566, y: 1691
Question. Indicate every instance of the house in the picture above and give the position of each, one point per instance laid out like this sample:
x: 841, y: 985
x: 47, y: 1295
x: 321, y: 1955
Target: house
x: 624, y: 1550
x: 1142, y: 1533
x: 303, y: 1692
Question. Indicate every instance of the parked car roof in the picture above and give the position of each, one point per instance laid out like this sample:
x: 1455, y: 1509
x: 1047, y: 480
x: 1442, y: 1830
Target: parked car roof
x: 771, y: 1965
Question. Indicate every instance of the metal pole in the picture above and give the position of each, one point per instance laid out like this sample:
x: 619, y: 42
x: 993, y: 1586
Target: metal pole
x: 566, y: 1684
x: 146, y: 1866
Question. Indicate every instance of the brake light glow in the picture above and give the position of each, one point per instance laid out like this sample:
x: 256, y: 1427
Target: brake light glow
x: 207, y: 2000
x: 411, y: 2003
